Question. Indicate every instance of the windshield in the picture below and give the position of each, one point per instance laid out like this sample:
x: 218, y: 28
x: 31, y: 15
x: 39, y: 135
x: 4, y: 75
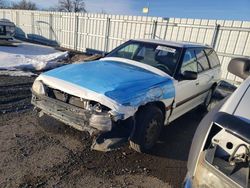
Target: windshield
x: 160, y: 56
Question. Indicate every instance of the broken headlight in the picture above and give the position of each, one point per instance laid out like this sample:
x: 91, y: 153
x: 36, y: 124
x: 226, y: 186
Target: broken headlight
x: 38, y: 87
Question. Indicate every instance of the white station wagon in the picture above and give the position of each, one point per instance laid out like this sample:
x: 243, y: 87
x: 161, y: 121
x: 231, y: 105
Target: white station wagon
x: 133, y: 91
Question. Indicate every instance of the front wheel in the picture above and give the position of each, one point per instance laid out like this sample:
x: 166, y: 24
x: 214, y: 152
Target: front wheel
x: 149, y: 121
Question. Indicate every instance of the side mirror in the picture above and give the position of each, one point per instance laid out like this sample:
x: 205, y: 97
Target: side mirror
x: 189, y: 75
x: 239, y: 67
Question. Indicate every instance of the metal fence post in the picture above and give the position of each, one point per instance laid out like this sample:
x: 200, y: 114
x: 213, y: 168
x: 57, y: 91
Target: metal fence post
x: 76, y: 32
x: 166, y: 30
x: 4, y: 14
x: 106, y: 44
x: 153, y: 35
x: 17, y: 32
x: 50, y: 26
x: 32, y: 23
x: 215, y: 35
x: 17, y: 18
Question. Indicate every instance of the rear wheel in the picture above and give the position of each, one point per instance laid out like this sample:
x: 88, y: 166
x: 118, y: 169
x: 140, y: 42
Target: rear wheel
x: 149, y: 121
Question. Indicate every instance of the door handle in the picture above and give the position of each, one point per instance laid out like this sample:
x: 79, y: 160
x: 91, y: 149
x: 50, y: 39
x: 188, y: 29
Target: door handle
x: 197, y: 83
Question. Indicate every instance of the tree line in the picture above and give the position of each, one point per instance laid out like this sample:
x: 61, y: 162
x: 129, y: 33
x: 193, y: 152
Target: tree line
x: 62, y: 5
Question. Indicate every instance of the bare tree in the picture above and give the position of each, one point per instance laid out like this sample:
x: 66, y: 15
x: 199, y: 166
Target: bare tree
x: 71, y: 6
x: 65, y: 5
x: 24, y: 5
x: 79, y: 6
x: 2, y: 4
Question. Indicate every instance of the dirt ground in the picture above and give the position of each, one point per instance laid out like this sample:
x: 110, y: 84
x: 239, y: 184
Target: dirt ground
x: 45, y: 153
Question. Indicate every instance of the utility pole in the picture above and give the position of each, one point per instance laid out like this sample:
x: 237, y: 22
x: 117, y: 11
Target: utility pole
x: 145, y: 10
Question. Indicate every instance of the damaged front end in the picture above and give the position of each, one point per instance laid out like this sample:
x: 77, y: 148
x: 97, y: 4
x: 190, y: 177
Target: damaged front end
x: 81, y: 114
x: 100, y: 102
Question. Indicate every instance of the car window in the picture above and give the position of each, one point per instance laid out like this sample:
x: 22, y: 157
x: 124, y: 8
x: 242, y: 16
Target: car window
x: 146, y: 54
x: 159, y: 56
x: 189, y: 61
x: 212, y: 57
x: 167, y: 57
x: 202, y: 61
x: 127, y: 51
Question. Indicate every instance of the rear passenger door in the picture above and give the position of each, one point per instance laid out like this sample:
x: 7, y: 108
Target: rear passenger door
x: 191, y: 93
x: 205, y: 74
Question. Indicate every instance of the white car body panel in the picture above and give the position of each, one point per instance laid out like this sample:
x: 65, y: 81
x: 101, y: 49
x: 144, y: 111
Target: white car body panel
x: 238, y: 103
x: 243, y: 109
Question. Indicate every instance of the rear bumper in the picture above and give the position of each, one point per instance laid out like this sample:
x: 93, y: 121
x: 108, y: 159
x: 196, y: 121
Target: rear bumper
x: 78, y: 118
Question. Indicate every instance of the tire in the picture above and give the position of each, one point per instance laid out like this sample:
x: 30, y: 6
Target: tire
x: 149, y: 121
x: 206, y: 104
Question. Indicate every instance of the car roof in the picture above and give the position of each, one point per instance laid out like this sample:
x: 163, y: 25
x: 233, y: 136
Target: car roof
x: 238, y: 103
x: 242, y: 109
x: 174, y: 43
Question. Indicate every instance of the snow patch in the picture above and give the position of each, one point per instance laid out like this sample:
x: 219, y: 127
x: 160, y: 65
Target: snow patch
x: 16, y: 73
x: 31, y: 62
x: 30, y: 57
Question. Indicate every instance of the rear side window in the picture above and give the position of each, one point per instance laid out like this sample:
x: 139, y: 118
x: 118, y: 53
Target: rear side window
x: 212, y: 57
x: 202, y: 60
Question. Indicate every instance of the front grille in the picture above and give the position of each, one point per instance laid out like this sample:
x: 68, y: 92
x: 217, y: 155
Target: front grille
x: 76, y: 101
x: 65, y: 97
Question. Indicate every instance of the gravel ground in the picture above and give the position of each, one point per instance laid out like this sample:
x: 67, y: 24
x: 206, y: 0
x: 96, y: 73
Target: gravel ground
x: 42, y: 152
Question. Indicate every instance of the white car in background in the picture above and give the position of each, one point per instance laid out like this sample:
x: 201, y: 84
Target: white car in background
x: 220, y: 153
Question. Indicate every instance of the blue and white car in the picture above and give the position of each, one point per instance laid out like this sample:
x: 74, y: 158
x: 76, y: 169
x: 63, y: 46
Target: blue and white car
x: 140, y: 86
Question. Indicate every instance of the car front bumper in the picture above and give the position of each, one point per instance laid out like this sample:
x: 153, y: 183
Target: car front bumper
x: 188, y: 183
x: 79, y: 118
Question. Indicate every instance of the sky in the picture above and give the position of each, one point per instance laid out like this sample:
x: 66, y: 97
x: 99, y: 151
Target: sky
x: 210, y: 9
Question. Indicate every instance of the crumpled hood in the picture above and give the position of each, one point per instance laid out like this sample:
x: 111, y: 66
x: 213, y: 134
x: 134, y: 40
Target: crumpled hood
x: 119, y: 81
